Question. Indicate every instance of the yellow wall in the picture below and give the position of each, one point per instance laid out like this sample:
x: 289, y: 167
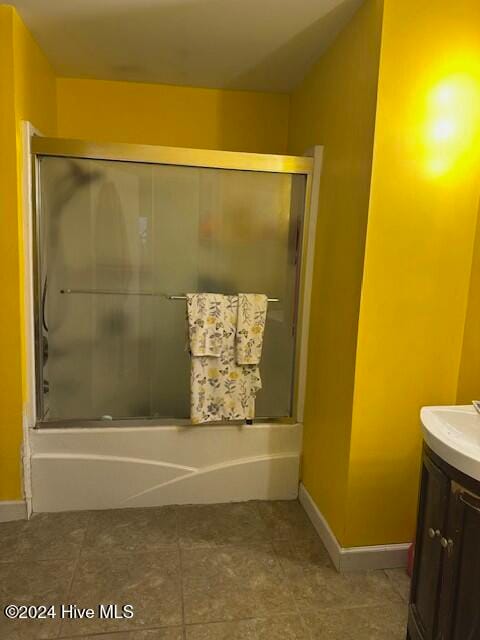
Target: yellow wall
x: 335, y: 106
x: 173, y: 116
x: 35, y: 102
x: 418, y: 316
x: 35, y: 82
x: 469, y: 376
x: 10, y: 361
x: 421, y: 227
x: 27, y: 91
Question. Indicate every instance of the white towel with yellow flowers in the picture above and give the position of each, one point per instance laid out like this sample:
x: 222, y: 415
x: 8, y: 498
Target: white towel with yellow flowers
x: 252, y: 313
x: 205, y: 323
x: 220, y: 388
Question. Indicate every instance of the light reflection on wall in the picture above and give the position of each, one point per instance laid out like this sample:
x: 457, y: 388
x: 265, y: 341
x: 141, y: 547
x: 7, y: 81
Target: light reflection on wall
x: 451, y: 126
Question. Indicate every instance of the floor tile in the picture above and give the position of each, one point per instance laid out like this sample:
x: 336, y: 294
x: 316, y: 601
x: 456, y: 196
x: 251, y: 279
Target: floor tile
x: 170, y: 633
x: 219, y: 524
x: 324, y: 587
x: 279, y: 628
x: 130, y: 530
x: 388, y: 622
x: 232, y: 583
x: 249, y: 571
x: 298, y: 556
x: 149, y: 581
x: 55, y: 535
x: 44, y: 536
x: 33, y: 583
x: 286, y: 519
x: 400, y: 581
x: 11, y: 540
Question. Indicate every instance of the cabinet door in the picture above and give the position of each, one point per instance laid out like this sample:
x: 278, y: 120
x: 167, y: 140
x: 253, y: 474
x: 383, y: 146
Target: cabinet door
x: 461, y: 590
x: 425, y: 594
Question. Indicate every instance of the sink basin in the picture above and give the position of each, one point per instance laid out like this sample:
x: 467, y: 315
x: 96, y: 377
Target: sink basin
x: 453, y: 433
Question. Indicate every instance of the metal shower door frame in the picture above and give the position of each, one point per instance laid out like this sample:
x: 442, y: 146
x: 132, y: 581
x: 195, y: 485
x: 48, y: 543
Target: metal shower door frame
x: 179, y: 156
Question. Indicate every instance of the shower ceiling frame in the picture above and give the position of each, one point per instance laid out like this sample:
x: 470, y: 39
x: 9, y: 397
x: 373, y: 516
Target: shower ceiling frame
x: 179, y: 156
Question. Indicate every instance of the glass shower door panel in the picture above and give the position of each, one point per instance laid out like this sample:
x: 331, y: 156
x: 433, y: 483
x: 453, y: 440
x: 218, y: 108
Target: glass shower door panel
x: 96, y: 216
x: 226, y: 232
x: 66, y: 320
x: 246, y: 245
x: 175, y: 265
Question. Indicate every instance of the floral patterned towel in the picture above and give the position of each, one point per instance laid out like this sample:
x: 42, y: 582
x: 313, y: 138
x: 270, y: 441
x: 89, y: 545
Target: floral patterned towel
x: 205, y: 323
x: 252, y: 312
x: 220, y: 389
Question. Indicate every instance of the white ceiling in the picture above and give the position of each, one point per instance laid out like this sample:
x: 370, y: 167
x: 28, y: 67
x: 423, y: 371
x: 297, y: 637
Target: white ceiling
x: 240, y: 44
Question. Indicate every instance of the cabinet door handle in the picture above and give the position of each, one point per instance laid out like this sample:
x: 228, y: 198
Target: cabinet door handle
x: 447, y: 544
x: 434, y: 533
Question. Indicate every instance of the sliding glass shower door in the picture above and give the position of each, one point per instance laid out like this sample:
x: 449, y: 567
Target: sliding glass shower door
x: 118, y: 242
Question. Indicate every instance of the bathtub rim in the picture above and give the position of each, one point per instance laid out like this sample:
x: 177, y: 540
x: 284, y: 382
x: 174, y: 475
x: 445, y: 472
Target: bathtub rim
x: 121, y: 424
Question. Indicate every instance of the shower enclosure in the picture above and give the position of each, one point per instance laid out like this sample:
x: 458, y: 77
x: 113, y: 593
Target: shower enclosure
x: 122, y: 233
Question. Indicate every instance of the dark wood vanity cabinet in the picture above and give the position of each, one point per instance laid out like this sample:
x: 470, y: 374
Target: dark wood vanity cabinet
x: 445, y: 594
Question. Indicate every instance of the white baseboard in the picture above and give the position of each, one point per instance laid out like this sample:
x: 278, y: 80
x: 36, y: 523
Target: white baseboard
x: 352, y: 558
x: 321, y: 525
x: 12, y: 510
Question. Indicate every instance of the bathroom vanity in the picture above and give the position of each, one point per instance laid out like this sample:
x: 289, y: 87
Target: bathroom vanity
x: 445, y: 593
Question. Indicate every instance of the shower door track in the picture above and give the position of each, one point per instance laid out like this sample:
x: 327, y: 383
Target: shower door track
x: 179, y: 156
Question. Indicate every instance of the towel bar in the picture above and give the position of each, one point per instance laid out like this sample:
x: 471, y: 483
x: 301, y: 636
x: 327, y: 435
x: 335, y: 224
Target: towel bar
x: 113, y: 292
x: 185, y: 297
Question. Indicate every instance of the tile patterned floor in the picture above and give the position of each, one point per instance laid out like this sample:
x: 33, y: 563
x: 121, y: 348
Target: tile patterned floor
x: 246, y: 571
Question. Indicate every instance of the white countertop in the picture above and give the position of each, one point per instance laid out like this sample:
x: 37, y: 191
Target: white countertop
x: 453, y: 433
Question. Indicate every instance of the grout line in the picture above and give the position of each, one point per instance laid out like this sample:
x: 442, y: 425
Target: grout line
x: 272, y: 616
x: 75, y: 567
x: 396, y: 588
x: 276, y: 615
x: 292, y: 595
x: 113, y: 632
x: 180, y: 558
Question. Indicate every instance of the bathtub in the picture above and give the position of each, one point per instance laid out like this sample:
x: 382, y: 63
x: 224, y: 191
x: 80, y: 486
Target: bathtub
x: 146, y: 466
